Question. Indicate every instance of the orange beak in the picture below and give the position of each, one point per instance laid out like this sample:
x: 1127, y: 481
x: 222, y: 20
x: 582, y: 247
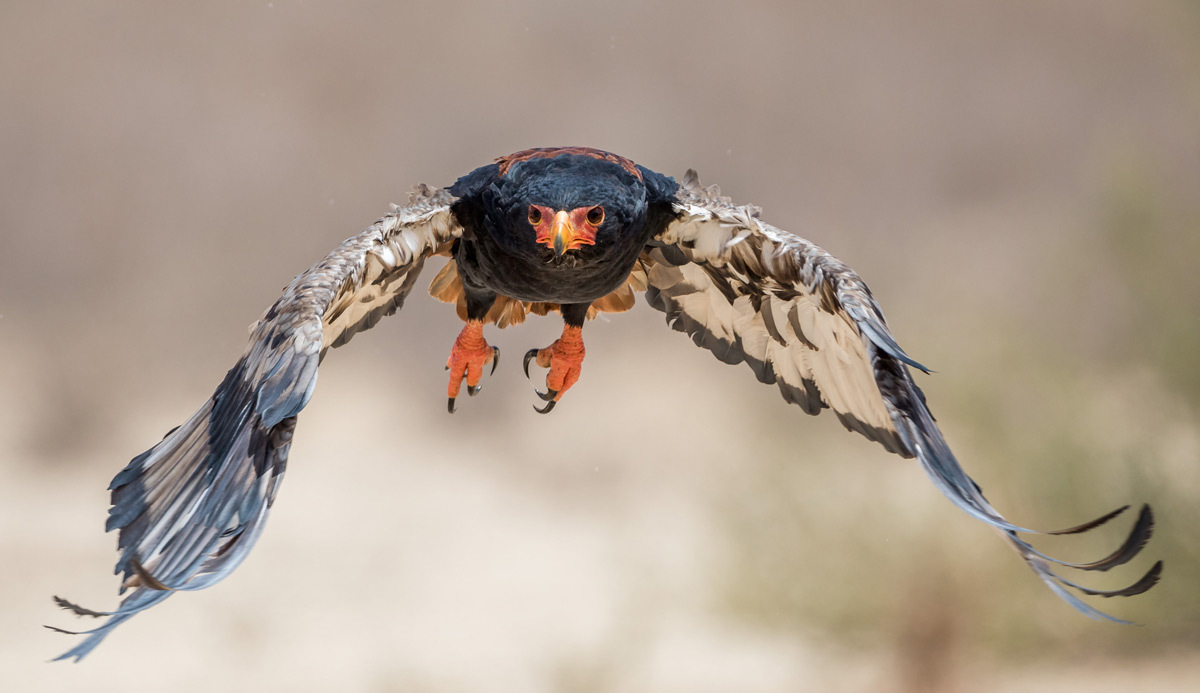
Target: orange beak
x: 566, y: 231
x: 562, y: 233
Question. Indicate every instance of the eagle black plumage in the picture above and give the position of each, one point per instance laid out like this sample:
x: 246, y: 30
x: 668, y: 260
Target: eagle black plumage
x: 572, y: 230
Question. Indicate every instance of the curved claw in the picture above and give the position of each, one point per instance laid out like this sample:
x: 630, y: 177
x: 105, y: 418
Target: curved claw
x: 468, y: 358
x: 548, y: 396
x: 546, y: 409
x: 529, y: 356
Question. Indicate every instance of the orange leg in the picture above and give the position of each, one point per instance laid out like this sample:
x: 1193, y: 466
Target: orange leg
x: 564, y: 358
x: 467, y: 359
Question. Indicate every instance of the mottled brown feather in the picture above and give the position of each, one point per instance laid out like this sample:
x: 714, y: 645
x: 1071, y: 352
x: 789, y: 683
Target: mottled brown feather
x: 447, y: 287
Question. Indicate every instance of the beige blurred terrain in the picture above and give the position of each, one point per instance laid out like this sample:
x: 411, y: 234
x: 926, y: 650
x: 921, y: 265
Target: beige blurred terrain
x: 1018, y: 181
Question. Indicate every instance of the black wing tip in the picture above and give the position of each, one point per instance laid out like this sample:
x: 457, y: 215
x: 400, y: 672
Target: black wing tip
x: 1103, y: 519
x: 73, y: 653
x: 1139, y: 536
x: 80, y: 651
x: 61, y: 630
x: 1147, y: 581
x: 76, y: 609
x: 1141, y: 586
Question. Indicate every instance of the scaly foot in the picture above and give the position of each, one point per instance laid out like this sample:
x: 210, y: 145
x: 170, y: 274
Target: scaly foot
x: 467, y: 359
x: 564, y: 358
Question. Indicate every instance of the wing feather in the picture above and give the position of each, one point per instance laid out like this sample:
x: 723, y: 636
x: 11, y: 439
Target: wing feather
x: 190, y: 508
x: 803, y: 320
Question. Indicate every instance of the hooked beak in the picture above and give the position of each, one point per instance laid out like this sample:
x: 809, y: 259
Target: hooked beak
x: 563, y: 231
x: 562, y: 234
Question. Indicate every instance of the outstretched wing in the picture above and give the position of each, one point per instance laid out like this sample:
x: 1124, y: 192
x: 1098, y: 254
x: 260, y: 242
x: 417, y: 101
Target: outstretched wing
x: 190, y: 508
x: 804, y: 321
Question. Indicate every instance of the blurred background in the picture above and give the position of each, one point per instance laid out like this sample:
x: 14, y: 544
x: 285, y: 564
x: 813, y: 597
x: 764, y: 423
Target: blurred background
x: 1018, y: 182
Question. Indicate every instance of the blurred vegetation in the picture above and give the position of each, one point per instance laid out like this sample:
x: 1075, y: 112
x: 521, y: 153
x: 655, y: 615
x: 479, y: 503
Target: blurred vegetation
x: 1152, y: 245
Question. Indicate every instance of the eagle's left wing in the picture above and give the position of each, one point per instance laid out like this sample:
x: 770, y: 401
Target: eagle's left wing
x: 190, y: 508
x: 804, y: 321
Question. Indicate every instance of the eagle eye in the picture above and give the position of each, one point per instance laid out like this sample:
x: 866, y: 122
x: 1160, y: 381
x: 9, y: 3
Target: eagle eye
x: 535, y: 215
x: 595, y: 215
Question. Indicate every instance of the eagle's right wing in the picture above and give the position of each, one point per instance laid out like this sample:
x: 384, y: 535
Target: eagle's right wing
x: 190, y: 508
x: 805, y: 322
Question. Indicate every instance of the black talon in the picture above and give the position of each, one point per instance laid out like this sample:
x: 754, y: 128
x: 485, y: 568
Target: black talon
x: 450, y: 405
x: 548, y: 395
x: 529, y: 356
x: 473, y: 390
x: 546, y: 409
x: 495, y: 359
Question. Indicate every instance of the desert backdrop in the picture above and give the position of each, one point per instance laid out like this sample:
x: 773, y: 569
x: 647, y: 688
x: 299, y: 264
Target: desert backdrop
x: 1018, y: 181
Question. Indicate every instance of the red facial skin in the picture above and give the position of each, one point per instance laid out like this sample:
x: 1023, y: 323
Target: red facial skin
x: 563, y: 231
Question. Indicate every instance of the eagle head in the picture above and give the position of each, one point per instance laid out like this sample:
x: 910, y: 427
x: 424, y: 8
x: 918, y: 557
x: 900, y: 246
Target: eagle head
x: 566, y: 205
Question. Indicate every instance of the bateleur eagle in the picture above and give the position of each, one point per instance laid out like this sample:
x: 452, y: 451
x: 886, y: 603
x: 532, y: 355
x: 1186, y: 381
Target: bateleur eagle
x: 570, y: 230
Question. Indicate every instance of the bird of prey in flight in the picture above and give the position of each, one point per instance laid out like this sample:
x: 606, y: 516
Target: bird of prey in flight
x: 571, y: 230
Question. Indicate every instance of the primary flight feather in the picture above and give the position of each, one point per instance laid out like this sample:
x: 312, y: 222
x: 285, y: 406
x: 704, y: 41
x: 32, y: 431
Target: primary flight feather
x: 572, y: 230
